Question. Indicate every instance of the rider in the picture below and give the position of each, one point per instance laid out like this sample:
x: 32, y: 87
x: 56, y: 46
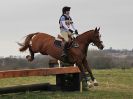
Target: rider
x: 66, y: 27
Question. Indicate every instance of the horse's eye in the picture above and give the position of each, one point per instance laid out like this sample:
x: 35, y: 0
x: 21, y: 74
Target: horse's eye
x: 97, y: 36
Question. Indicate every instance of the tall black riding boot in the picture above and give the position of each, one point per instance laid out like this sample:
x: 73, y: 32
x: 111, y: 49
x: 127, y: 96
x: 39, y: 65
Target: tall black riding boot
x: 75, y: 44
x: 64, y: 53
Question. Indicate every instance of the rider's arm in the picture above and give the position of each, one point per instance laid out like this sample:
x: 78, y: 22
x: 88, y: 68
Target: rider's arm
x: 64, y: 25
x: 73, y: 27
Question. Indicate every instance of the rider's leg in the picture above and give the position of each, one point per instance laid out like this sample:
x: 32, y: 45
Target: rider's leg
x: 75, y: 44
x: 64, y: 53
x: 65, y: 43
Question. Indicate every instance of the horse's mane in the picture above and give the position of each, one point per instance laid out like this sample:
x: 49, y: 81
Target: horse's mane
x: 85, y: 33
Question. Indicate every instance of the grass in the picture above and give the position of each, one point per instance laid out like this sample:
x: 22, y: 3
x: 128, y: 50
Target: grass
x: 26, y: 80
x: 113, y: 84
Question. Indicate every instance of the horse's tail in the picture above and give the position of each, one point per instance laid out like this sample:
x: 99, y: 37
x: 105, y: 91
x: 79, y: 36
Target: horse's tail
x: 26, y: 44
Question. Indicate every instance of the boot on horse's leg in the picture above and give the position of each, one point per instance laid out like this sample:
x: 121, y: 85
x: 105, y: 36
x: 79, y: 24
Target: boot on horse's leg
x: 64, y: 52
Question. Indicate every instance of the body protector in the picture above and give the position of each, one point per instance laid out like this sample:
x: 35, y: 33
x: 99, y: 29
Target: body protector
x: 66, y: 23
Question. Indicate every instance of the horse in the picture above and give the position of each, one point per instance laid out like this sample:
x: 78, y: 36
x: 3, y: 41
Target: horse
x: 44, y: 43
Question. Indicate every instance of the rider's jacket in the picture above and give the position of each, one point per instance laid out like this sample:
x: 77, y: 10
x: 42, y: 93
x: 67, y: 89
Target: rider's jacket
x: 66, y: 23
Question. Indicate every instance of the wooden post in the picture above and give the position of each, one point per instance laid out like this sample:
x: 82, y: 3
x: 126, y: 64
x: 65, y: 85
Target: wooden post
x: 69, y: 82
x: 81, y: 84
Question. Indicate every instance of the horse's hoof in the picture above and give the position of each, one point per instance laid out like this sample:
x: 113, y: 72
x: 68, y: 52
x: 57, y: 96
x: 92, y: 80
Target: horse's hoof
x: 28, y: 57
x: 90, y: 85
x: 95, y: 83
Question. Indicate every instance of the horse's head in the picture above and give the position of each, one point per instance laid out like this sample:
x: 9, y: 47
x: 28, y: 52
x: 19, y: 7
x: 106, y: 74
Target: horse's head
x: 96, y: 39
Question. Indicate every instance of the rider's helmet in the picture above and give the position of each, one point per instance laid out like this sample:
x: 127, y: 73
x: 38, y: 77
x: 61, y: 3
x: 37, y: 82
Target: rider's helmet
x: 66, y: 8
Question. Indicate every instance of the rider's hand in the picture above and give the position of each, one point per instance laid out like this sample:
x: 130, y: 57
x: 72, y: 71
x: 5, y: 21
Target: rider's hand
x: 76, y: 31
x: 71, y: 30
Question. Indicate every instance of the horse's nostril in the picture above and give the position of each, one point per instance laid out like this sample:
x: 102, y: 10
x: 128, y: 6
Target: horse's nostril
x: 103, y: 46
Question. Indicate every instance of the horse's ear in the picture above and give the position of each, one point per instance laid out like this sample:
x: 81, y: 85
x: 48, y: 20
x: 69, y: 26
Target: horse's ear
x: 98, y: 29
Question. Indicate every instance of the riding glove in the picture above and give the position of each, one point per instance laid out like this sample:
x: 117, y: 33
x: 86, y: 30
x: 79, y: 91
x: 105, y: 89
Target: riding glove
x: 71, y: 30
x: 76, y: 31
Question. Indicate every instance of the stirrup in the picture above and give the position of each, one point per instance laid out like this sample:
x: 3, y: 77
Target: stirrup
x: 63, y: 55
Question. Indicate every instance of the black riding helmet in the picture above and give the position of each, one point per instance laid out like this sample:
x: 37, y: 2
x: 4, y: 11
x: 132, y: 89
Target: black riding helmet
x: 66, y: 8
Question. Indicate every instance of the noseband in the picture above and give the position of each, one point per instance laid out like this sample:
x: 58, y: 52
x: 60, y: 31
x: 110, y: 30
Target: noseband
x: 96, y: 41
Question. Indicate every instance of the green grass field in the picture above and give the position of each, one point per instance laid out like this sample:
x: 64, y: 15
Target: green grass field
x: 113, y: 84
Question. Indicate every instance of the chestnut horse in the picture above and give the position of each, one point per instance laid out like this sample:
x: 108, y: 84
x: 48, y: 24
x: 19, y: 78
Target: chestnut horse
x: 44, y: 44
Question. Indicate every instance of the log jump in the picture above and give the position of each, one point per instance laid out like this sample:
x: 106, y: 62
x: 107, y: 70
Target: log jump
x: 38, y: 72
x: 67, y: 78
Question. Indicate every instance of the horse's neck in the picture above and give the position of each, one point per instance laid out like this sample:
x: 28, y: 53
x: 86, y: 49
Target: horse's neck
x: 84, y: 40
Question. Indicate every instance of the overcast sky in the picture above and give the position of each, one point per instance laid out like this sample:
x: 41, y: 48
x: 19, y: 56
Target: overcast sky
x: 21, y: 17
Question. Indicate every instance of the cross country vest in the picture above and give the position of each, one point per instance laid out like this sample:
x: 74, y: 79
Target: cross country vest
x: 68, y: 20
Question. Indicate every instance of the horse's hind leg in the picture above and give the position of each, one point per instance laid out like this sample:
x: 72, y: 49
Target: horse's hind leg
x: 31, y: 56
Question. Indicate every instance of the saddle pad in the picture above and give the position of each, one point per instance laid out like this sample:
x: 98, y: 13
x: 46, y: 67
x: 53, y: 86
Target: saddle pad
x: 58, y: 43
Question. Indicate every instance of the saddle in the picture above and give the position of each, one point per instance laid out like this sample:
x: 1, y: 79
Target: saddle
x: 59, y: 42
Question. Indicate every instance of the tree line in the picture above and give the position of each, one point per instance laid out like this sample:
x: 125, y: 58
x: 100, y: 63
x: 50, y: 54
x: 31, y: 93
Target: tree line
x: 108, y: 59
x: 97, y: 59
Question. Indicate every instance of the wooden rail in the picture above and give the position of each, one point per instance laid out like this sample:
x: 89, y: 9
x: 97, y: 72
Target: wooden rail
x: 38, y: 72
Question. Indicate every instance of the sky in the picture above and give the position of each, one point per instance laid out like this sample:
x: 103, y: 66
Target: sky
x: 19, y: 18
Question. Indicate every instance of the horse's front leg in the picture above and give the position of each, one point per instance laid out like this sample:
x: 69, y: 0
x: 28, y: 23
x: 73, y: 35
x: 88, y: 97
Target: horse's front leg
x: 81, y: 68
x: 85, y: 63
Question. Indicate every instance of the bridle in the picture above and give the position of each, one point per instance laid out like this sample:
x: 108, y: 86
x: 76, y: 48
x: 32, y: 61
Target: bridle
x: 96, y: 41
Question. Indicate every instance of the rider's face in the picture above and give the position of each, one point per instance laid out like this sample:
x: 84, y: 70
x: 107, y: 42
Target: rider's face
x: 67, y: 12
